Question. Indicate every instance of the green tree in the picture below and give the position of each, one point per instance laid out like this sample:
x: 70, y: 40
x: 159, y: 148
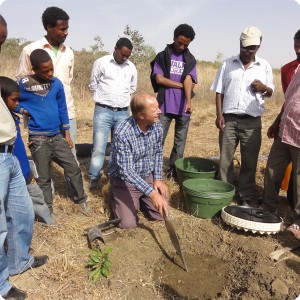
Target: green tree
x: 141, y: 52
x: 98, y: 46
x: 13, y: 47
x: 219, y: 60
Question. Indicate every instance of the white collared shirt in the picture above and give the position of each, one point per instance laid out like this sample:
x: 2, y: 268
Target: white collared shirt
x: 113, y: 83
x: 234, y: 82
x: 63, y: 64
x: 8, y: 131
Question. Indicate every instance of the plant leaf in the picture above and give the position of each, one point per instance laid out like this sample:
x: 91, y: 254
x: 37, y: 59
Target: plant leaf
x: 105, y: 272
x: 108, y: 250
x: 108, y: 263
x: 94, y: 275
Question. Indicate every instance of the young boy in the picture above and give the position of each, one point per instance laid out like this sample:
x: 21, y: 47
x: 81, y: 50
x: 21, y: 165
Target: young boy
x: 43, y: 100
x: 16, y: 208
x: 10, y: 93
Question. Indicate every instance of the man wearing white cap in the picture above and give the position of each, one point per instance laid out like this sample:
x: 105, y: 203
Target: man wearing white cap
x: 241, y: 85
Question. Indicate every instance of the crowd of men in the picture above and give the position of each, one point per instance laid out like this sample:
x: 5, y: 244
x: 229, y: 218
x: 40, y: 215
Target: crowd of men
x: 138, y: 123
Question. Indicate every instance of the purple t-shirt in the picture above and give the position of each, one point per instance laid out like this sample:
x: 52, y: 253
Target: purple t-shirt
x: 174, y: 98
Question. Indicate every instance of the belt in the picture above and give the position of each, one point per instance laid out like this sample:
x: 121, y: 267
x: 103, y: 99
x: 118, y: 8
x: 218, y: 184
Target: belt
x: 112, y: 108
x: 44, y: 136
x: 6, y: 148
x: 240, y: 116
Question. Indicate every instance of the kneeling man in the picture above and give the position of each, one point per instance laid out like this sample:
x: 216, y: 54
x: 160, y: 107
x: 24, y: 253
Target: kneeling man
x: 135, y: 166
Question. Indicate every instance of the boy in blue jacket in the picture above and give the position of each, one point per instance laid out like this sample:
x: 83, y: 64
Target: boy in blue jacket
x: 43, y: 100
x: 10, y: 89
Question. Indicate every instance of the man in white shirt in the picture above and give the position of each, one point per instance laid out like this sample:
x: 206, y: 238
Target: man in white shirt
x: 241, y: 85
x: 113, y: 80
x: 56, y: 23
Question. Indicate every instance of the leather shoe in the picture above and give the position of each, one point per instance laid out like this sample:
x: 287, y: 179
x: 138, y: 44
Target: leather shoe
x: 93, y: 184
x: 39, y: 261
x: 15, y: 294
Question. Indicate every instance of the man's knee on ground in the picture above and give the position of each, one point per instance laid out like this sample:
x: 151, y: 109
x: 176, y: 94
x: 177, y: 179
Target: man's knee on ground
x: 128, y: 224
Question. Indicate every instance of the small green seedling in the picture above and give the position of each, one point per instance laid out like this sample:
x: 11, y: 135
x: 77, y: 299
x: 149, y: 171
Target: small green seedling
x: 99, y: 263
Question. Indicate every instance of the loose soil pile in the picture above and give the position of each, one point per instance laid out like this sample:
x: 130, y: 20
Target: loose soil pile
x: 223, y: 263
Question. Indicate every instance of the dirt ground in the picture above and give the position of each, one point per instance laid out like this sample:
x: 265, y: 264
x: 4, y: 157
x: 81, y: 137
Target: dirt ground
x: 223, y: 263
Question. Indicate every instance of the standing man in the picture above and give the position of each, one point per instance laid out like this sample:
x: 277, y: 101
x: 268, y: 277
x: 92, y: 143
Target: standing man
x: 290, y: 69
x: 135, y: 165
x: 286, y: 147
x: 16, y: 211
x: 113, y: 80
x: 173, y: 76
x: 287, y: 73
x: 56, y: 24
x: 241, y: 85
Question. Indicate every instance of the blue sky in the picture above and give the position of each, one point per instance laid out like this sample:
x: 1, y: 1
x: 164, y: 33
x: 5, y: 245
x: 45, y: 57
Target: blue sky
x: 217, y: 23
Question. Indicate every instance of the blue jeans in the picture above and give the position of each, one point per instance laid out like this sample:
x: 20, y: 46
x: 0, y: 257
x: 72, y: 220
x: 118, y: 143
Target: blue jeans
x: 16, y: 221
x: 105, y: 121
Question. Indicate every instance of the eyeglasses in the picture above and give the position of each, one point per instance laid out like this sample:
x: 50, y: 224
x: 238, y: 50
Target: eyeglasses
x: 248, y: 50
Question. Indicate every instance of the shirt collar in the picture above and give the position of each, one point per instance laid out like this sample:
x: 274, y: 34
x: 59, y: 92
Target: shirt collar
x: 112, y: 59
x: 295, y: 63
x: 257, y: 60
x: 137, y: 130
x: 46, y: 44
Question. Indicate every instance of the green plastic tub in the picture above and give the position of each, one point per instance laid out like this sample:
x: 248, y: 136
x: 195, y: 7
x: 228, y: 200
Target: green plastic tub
x: 205, y: 198
x: 195, y: 167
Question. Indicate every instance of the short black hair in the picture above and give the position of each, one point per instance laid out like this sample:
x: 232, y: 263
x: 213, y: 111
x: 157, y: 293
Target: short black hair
x: 297, y: 35
x: 39, y: 56
x: 2, y: 21
x: 53, y: 14
x: 185, y: 30
x: 8, y: 86
x: 124, y: 42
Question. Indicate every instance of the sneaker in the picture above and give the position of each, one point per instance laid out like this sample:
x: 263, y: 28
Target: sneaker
x: 55, y: 218
x: 85, y: 208
x: 15, y: 294
x: 294, y: 230
x: 44, y: 224
x: 39, y: 261
x: 93, y: 184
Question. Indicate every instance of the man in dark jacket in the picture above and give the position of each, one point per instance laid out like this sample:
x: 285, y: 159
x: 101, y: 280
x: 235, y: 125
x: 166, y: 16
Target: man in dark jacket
x: 173, y: 76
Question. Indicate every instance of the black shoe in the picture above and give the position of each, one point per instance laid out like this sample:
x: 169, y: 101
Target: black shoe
x: 39, y: 261
x: 93, y: 184
x: 15, y: 294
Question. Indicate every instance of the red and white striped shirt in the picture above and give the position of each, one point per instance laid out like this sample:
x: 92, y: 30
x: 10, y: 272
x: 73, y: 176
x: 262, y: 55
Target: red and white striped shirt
x: 289, y: 131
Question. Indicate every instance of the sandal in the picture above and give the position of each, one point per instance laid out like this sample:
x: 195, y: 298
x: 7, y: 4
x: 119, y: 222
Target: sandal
x: 294, y: 230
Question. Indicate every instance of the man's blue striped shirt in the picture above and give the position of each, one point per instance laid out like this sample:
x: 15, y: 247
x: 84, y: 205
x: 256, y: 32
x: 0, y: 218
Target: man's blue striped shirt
x: 135, y: 154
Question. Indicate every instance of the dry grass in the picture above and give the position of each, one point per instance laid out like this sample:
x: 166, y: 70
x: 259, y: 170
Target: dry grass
x: 65, y: 275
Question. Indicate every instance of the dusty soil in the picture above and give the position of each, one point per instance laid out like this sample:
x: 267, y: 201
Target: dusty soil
x: 223, y: 263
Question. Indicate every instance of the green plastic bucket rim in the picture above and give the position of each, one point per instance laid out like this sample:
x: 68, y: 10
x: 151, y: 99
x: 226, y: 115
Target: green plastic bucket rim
x: 208, y: 194
x: 215, y: 165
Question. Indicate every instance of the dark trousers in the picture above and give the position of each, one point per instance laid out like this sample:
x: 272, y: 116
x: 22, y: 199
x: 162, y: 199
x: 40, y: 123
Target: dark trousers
x: 247, y: 133
x: 280, y: 156
x: 126, y: 201
x: 43, y: 150
x: 180, y: 135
